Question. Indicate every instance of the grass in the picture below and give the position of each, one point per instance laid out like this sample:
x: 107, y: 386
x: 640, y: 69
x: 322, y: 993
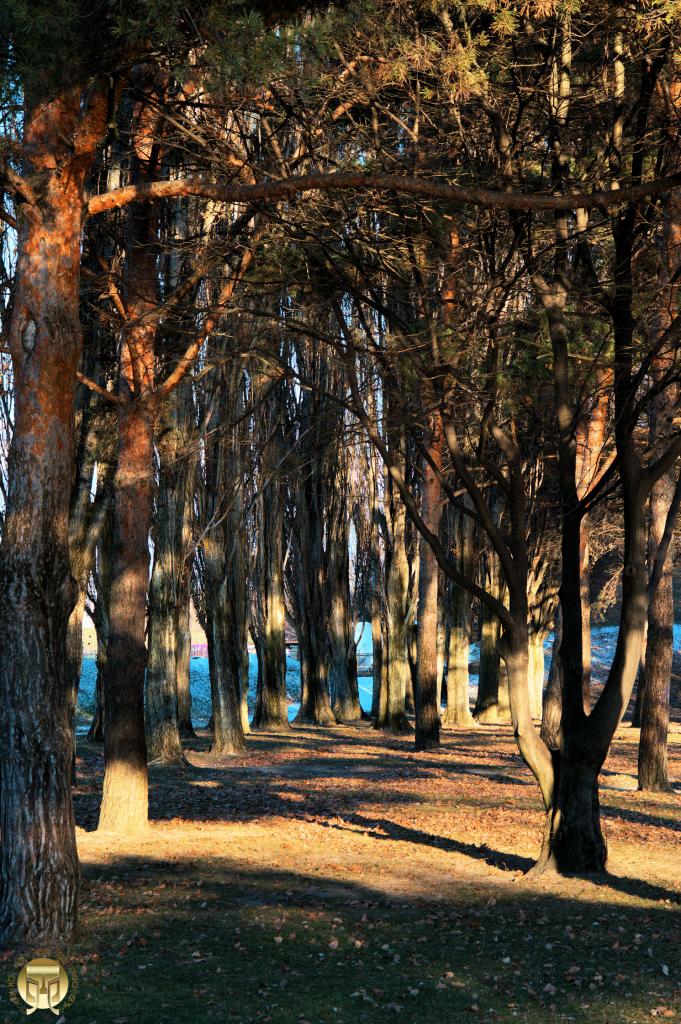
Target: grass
x: 336, y: 876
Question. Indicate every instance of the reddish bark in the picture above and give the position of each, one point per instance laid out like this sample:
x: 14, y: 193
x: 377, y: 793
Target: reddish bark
x: 124, y: 806
x: 271, y: 191
x: 39, y: 866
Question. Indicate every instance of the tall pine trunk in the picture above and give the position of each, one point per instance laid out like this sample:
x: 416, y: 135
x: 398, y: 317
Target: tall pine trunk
x: 124, y: 806
x: 38, y: 859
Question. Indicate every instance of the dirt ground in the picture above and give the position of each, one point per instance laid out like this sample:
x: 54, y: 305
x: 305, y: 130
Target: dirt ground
x: 334, y: 875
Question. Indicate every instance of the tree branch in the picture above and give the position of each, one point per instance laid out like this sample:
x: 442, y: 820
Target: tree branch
x: 270, y: 191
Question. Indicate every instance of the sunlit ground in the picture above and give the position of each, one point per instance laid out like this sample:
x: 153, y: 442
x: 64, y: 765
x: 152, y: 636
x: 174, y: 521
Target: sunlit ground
x: 336, y: 876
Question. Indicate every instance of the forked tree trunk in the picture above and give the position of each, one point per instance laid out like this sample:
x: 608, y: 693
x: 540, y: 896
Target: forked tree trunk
x: 573, y: 840
x: 38, y: 859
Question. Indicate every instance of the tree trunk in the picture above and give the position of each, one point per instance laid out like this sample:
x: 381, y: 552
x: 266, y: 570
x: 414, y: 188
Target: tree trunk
x: 492, y: 703
x: 124, y: 805
x: 313, y: 592
x: 102, y: 625
x: 184, y: 650
x: 395, y: 650
x: 271, y: 712
x: 573, y: 841
x: 161, y: 709
x: 168, y: 579
x: 38, y: 859
x: 427, y: 662
x: 378, y: 694
x: 659, y: 647
x: 457, y: 712
x: 342, y: 682
x: 652, y: 751
x: 224, y: 658
x: 552, y: 703
x: 536, y: 672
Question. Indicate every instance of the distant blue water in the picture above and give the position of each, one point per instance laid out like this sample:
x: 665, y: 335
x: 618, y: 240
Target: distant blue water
x: 199, y: 683
x: 603, y: 639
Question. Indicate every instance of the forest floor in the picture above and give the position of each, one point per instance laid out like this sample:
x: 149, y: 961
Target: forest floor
x: 334, y: 876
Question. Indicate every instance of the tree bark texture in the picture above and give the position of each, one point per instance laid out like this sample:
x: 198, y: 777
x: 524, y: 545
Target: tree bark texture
x: 38, y: 859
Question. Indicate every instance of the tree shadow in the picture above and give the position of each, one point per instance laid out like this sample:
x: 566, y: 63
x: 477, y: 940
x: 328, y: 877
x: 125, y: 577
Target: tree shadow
x: 382, y: 828
x: 216, y: 939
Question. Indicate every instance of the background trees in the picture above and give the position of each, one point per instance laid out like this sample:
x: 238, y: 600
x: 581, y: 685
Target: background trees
x: 385, y: 303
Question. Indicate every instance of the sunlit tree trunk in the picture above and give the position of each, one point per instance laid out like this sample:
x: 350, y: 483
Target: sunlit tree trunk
x: 124, y: 806
x: 38, y: 860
